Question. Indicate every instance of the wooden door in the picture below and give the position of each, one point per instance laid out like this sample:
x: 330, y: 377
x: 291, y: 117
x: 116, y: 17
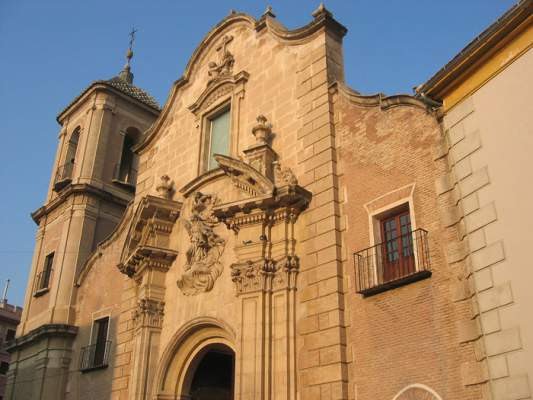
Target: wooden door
x: 397, y: 247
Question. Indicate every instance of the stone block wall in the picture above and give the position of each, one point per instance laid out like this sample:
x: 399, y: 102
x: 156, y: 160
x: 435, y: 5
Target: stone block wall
x: 485, y: 281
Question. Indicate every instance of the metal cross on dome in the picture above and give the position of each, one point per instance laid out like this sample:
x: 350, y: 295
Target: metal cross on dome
x: 132, y: 36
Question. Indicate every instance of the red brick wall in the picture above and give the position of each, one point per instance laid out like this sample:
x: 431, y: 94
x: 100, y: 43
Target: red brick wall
x: 405, y: 335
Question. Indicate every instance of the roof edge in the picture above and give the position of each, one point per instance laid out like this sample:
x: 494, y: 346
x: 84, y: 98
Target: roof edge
x: 476, y: 49
x: 322, y: 18
x: 104, y: 85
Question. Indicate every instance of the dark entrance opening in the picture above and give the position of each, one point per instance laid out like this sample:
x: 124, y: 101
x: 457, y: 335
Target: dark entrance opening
x: 213, y: 377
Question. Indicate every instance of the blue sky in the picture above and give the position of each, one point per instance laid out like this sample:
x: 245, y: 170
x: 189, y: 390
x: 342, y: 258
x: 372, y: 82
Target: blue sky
x: 51, y: 50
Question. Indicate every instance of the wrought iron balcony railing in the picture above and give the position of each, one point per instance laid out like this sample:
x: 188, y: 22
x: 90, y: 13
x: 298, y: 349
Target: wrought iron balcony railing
x: 393, y: 263
x: 95, y: 356
x: 63, y: 176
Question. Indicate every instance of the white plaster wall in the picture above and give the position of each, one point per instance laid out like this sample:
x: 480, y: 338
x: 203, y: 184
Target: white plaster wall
x: 504, y: 117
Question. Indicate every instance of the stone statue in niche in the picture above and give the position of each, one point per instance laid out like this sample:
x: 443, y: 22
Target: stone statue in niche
x: 224, y: 66
x: 202, y: 267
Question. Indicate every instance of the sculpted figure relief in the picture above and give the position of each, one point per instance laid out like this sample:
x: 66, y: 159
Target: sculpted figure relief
x: 224, y: 66
x: 202, y: 267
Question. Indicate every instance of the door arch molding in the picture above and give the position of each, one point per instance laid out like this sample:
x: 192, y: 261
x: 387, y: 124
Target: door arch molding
x: 417, y: 391
x: 183, y: 350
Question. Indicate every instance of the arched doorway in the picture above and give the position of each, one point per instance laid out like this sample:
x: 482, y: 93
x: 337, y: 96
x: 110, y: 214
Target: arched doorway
x: 211, y: 374
x: 196, y: 351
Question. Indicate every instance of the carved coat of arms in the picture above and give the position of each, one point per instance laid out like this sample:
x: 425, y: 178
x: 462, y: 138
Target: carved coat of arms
x: 202, y: 267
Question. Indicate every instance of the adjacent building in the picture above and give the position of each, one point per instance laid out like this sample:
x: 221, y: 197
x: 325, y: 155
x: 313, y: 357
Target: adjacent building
x: 271, y: 233
x: 9, y: 319
x: 487, y: 123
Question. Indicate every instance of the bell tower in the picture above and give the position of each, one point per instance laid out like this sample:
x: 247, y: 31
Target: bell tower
x: 93, y: 179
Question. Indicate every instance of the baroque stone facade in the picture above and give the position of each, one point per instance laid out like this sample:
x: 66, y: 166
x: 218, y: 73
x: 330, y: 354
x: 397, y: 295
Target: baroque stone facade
x: 269, y: 233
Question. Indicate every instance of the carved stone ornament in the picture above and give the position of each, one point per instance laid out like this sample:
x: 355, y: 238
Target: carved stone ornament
x: 149, y: 313
x: 244, y: 176
x: 147, y: 242
x: 265, y: 275
x: 203, y: 266
x: 165, y: 189
x: 224, y: 66
x: 262, y: 130
x: 284, y: 175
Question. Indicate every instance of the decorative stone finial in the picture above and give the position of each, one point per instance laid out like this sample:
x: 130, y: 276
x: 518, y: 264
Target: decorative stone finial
x: 268, y: 12
x: 165, y: 189
x: 126, y: 73
x: 262, y: 130
x: 321, y: 10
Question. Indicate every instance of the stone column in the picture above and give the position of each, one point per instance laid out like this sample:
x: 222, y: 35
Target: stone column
x: 146, y: 258
x: 265, y: 279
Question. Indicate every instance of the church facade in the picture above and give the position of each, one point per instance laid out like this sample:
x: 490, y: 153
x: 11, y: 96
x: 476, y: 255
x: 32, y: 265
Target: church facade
x: 269, y: 233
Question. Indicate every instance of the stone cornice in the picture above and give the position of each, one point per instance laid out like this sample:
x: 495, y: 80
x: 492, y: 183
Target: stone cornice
x: 514, y: 21
x: 323, y: 21
x: 76, y: 188
x: 146, y: 245
x: 232, y: 81
x: 376, y: 100
x: 293, y: 197
x: 43, y: 332
x: 101, y: 85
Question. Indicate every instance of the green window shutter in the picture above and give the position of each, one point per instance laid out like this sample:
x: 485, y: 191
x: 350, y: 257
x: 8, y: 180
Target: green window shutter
x: 219, y: 140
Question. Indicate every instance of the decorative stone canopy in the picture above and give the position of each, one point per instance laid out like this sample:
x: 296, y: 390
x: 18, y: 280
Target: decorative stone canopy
x: 147, y: 241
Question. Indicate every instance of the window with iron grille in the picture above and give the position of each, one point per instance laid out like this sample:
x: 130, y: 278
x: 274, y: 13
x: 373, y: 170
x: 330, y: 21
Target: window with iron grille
x: 96, y: 354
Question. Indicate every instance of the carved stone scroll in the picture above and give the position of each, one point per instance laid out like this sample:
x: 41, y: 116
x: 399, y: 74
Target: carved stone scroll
x: 244, y: 176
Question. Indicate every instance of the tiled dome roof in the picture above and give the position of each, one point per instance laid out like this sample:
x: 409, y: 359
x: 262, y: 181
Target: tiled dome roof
x: 120, y: 84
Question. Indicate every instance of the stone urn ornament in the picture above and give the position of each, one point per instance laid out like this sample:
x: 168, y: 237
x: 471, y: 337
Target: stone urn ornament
x: 165, y: 189
x: 262, y: 130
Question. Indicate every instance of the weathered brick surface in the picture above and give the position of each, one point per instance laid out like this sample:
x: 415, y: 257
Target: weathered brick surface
x: 409, y: 334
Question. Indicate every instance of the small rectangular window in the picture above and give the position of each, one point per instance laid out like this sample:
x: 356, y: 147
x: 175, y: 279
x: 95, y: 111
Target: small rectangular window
x: 43, y: 279
x: 219, y: 137
x: 96, y: 354
x: 99, y: 340
x: 4, y: 366
x: 10, y: 334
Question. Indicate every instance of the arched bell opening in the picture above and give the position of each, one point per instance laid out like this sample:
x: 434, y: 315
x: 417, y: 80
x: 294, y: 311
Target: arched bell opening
x: 211, y: 374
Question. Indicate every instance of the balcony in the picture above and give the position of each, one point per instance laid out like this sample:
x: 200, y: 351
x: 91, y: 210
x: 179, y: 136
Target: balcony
x: 63, y: 176
x: 394, y: 263
x: 95, y: 356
